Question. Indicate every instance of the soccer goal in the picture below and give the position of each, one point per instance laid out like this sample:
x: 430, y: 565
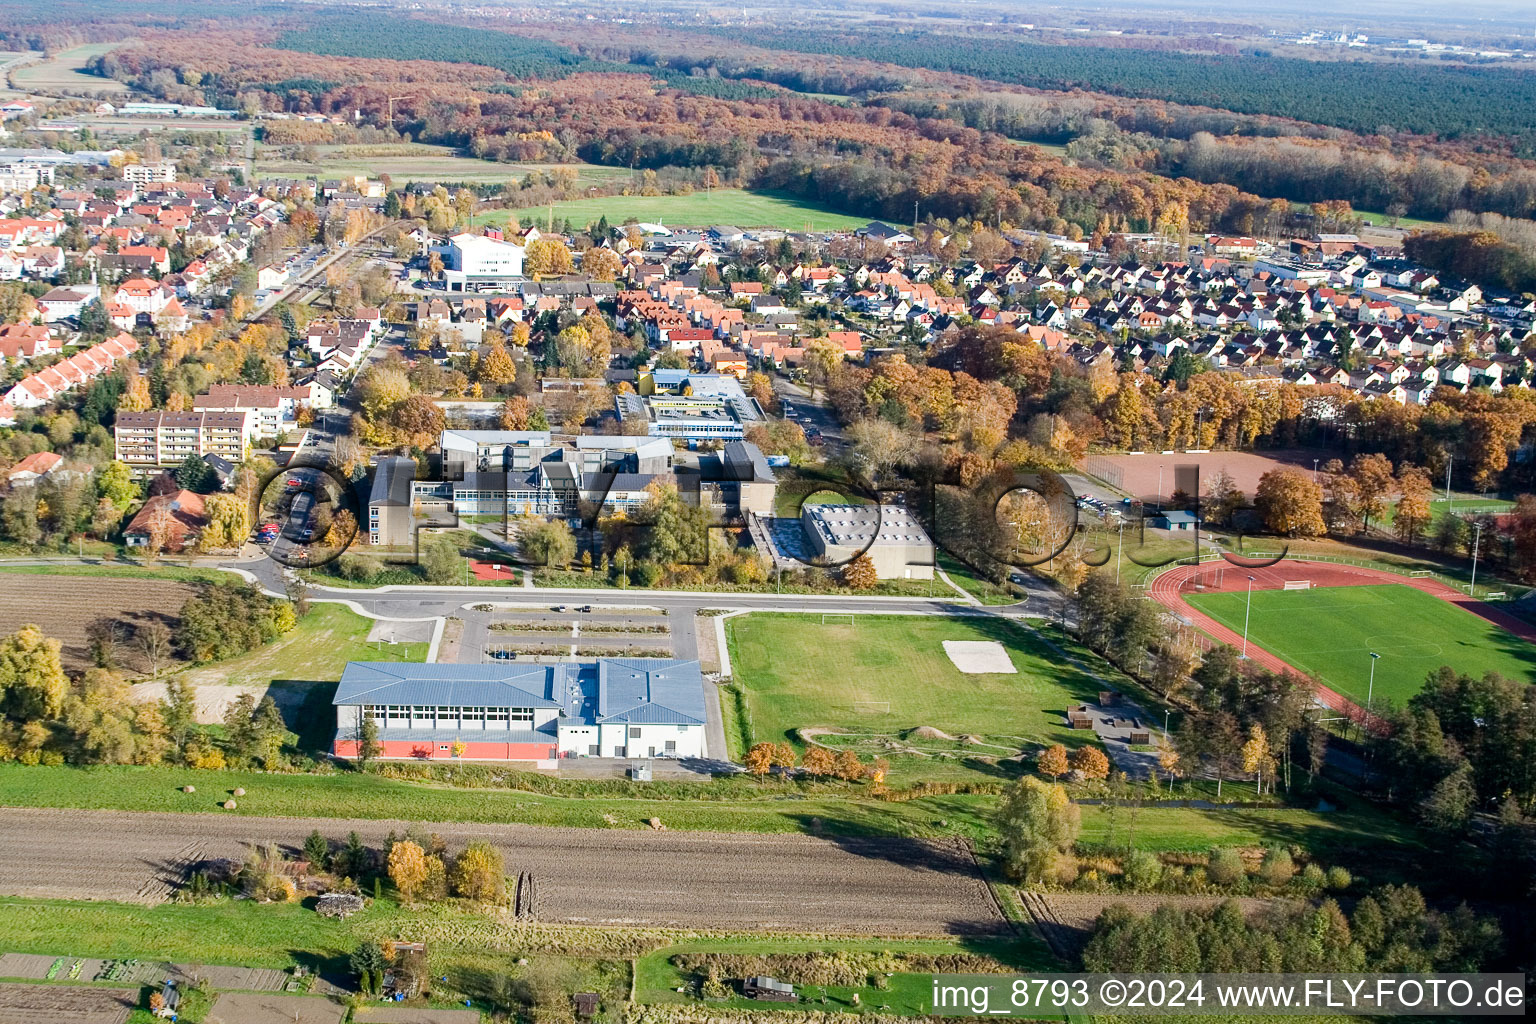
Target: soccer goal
x: 872, y: 707
x: 836, y: 616
x: 1296, y: 585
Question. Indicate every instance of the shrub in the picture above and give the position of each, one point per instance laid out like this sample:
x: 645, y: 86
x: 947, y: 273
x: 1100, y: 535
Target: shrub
x: 645, y: 574
x: 1225, y: 867
x: 1278, y: 867
x: 478, y: 873
x: 1339, y: 879
x: 1143, y: 870
x: 1311, y: 879
x: 358, y: 567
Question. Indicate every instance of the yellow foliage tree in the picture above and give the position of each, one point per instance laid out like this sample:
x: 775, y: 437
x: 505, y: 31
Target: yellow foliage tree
x: 1091, y: 762
x: 496, y: 366
x: 407, y: 868
x: 759, y: 760
x: 478, y: 874
x: 547, y: 256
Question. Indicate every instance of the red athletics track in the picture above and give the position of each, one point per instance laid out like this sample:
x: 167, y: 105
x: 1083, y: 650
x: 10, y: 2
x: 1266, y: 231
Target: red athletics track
x: 1218, y: 576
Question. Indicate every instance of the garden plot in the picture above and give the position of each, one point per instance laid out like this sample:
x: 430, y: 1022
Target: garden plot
x: 58, y: 1004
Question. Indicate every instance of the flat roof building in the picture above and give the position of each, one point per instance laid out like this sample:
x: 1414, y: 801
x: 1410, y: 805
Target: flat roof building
x: 892, y: 537
x: 389, y: 501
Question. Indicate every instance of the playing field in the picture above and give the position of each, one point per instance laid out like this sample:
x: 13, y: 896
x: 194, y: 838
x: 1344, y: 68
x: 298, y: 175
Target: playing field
x: 798, y: 672
x: 701, y: 209
x: 1331, y: 631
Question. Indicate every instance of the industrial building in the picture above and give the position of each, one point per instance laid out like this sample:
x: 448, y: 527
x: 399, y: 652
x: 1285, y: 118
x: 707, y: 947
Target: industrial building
x: 474, y: 262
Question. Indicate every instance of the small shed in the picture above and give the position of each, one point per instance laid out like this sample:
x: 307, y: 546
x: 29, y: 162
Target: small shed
x: 769, y: 989
x: 586, y: 1003
x: 170, y: 999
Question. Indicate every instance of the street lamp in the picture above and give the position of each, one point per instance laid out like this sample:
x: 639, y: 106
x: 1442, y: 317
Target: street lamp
x: 1476, y: 542
x: 1120, y: 551
x: 1370, y: 687
x: 1314, y: 469
x: 1246, y: 614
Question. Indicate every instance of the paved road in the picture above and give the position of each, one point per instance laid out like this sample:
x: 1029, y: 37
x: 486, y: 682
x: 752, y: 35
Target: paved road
x: 889, y: 886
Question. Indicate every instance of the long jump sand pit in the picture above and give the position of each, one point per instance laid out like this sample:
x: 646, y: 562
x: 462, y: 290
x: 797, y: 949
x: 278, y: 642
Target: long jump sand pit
x: 980, y: 657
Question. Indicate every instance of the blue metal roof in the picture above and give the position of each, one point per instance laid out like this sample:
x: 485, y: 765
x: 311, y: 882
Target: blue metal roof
x: 494, y: 685
x: 656, y: 691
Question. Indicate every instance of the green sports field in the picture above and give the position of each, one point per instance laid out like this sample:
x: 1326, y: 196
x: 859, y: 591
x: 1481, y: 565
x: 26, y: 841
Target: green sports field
x: 887, y: 674
x: 700, y: 209
x: 1331, y: 631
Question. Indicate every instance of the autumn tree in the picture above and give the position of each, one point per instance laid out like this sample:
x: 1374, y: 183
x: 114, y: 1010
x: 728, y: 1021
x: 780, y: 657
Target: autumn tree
x: 515, y: 412
x: 1373, y: 478
x: 1257, y: 758
x: 496, y: 366
x: 407, y: 868
x: 478, y: 874
x: 848, y: 766
x: 759, y: 760
x: 229, y: 522
x: 860, y: 574
x: 818, y: 762
x: 1052, y: 761
x: 1091, y: 762
x: 549, y: 543
x: 32, y: 680
x: 1413, y: 506
x: 1291, y: 504
x: 601, y: 263
x: 1038, y: 824
x: 880, y: 445
x: 547, y: 256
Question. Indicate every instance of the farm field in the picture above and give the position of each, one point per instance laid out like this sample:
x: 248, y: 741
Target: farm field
x: 62, y: 72
x: 670, y: 879
x: 797, y: 672
x: 701, y: 209
x: 65, y: 605
x: 56, y: 1004
x: 416, y: 162
x: 1331, y: 631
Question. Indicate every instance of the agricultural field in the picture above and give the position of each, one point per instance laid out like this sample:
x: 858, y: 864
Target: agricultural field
x: 1331, y: 631
x: 887, y: 681
x: 701, y: 209
x: 405, y: 162
x: 65, y: 606
x: 56, y: 1004
x: 63, y: 72
x: 661, y: 879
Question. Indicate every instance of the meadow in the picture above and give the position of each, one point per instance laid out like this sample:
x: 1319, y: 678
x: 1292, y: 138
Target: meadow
x: 736, y: 207
x: 1332, y: 631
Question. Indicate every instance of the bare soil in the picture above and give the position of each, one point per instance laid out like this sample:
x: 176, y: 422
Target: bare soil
x: 64, y: 606
x: 678, y: 879
x: 1139, y: 474
x: 60, y: 1004
x: 267, y: 1008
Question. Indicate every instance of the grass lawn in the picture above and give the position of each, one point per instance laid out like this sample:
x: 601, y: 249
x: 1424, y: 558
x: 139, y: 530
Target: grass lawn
x: 317, y: 650
x: 64, y: 71
x: 726, y: 805
x: 1331, y: 631
x: 657, y: 978
x: 159, y: 571
x: 1057, y: 149
x: 1360, y: 836
x: 701, y: 209
x: 419, y: 161
x: 798, y: 672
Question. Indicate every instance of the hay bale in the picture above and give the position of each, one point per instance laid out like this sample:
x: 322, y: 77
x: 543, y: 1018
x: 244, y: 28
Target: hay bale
x: 238, y: 791
x: 189, y: 789
x: 656, y: 824
x: 229, y: 805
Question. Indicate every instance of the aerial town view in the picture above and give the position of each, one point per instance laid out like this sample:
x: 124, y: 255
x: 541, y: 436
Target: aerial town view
x: 837, y: 512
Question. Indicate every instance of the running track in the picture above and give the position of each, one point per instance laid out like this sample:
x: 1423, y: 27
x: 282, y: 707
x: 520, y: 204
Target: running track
x: 1165, y: 590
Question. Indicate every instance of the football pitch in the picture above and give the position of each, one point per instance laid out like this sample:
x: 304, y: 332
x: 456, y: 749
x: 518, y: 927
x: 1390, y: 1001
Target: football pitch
x: 888, y: 674
x: 1332, y: 631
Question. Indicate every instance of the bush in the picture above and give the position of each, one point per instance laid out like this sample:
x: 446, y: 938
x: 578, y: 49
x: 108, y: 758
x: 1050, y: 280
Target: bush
x: 358, y: 567
x: 1339, y: 879
x: 1311, y: 879
x: 1225, y: 867
x: 645, y: 574
x: 1143, y: 870
x: 1278, y: 868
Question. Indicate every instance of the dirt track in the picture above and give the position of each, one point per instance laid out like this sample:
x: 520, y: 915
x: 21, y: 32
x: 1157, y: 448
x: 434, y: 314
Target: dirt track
x: 682, y: 879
